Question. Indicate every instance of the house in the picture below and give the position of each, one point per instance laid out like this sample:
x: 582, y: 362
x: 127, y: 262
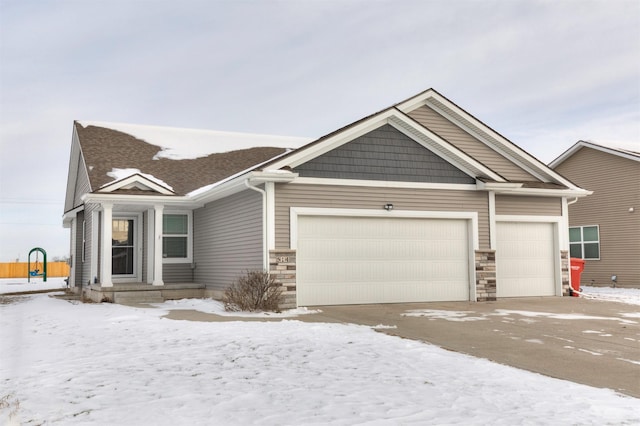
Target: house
x: 418, y: 202
x: 604, y: 228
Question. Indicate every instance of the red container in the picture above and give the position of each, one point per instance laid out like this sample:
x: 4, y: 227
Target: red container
x: 577, y: 266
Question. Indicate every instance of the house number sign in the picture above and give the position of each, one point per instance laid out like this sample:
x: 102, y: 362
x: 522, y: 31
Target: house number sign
x: 282, y: 259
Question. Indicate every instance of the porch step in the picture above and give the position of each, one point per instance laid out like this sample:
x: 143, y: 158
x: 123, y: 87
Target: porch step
x: 149, y: 296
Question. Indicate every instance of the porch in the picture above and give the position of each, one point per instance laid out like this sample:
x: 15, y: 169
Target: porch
x: 126, y: 293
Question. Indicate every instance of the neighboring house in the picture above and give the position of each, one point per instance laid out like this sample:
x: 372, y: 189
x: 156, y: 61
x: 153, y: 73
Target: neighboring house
x: 604, y: 228
x: 418, y: 202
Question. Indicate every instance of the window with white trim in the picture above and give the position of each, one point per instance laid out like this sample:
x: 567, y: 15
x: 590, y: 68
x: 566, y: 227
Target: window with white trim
x: 584, y: 242
x: 176, y: 237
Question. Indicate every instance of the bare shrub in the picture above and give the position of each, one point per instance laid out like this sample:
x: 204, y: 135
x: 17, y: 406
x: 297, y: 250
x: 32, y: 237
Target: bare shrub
x: 254, y: 291
x: 12, y: 406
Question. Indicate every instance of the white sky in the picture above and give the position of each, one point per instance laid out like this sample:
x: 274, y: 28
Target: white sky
x: 542, y: 73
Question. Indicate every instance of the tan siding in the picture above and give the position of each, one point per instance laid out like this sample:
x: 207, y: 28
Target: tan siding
x: 616, y: 185
x: 534, y: 206
x: 469, y: 145
x: 326, y: 196
x: 228, y: 239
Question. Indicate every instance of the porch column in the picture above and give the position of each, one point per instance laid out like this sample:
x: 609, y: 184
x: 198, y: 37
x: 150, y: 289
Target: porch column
x: 105, y: 252
x: 157, y: 246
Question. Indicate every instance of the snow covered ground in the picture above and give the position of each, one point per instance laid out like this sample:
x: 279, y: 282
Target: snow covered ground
x: 74, y: 364
x: 21, y: 285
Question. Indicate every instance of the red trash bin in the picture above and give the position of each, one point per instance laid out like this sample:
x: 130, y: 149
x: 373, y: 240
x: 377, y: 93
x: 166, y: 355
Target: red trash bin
x: 577, y: 266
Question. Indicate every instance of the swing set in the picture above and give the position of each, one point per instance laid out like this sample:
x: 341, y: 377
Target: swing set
x: 37, y: 266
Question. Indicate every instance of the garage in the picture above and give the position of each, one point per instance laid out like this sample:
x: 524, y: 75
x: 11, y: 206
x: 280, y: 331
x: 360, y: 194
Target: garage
x: 525, y: 264
x: 357, y: 260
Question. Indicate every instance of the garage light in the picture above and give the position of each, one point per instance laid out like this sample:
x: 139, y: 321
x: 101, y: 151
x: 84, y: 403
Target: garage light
x: 388, y: 207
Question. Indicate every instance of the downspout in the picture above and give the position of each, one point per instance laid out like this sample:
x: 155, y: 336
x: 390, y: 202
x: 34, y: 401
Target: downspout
x: 265, y: 255
x: 571, y: 202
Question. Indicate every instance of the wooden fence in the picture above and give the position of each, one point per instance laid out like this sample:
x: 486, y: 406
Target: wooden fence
x: 21, y: 270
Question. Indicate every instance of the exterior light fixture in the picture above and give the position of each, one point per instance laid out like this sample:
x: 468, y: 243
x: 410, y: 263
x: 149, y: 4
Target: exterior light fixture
x: 388, y: 207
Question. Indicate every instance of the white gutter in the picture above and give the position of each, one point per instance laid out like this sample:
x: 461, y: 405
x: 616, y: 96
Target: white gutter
x: 268, y: 176
x: 517, y: 189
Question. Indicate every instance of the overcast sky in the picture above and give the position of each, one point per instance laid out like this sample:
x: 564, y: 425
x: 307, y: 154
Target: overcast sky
x: 545, y: 74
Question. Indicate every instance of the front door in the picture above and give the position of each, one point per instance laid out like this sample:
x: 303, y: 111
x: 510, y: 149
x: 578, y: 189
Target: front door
x: 123, y: 248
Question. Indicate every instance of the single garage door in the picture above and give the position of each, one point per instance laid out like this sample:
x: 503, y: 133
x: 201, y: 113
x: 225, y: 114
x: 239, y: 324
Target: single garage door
x: 525, y: 263
x: 357, y: 260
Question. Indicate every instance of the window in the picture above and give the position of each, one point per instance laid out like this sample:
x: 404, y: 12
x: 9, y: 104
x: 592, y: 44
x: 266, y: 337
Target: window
x: 584, y: 242
x: 176, y: 236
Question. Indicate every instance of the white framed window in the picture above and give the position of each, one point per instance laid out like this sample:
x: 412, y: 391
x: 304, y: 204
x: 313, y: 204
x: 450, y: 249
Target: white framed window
x: 176, y: 237
x: 584, y: 242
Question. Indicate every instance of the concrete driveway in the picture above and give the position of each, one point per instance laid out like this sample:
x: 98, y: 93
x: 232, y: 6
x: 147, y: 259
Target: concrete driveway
x: 585, y: 341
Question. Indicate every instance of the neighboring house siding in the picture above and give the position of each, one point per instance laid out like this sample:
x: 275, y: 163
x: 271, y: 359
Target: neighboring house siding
x: 383, y: 154
x: 327, y: 196
x: 533, y: 206
x: 469, y: 145
x: 228, y: 239
x: 177, y: 273
x: 616, y: 185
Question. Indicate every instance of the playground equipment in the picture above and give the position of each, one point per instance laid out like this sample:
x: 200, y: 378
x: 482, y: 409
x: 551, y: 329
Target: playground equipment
x: 35, y: 272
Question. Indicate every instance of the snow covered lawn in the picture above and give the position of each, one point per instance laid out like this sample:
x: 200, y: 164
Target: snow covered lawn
x: 71, y: 363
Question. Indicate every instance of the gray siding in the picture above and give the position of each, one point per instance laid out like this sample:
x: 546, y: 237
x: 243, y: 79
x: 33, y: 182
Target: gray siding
x: 228, y: 239
x: 177, y: 273
x: 383, y: 154
x: 326, y: 196
x: 533, y: 206
x: 86, y: 268
x: 470, y: 145
x: 616, y: 185
x: 77, y: 262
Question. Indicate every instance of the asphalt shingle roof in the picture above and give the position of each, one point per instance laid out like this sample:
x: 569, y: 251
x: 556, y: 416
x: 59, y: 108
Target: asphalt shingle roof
x: 105, y: 149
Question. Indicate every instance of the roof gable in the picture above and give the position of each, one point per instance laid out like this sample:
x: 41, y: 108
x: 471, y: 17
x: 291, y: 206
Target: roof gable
x: 628, y: 151
x: 384, y: 154
x: 484, y: 134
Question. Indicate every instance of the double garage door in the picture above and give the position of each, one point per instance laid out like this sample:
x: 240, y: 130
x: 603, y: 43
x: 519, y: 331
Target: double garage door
x: 357, y: 260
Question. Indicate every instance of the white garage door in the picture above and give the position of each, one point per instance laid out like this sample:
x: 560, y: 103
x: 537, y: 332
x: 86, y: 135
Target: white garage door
x: 356, y: 260
x: 525, y: 259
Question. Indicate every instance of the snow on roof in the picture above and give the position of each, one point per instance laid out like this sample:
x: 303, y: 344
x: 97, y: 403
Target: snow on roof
x: 184, y: 144
x: 119, y: 174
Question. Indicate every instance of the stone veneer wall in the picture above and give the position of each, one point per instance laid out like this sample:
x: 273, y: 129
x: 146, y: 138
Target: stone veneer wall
x: 564, y: 267
x: 485, y: 275
x: 282, y: 267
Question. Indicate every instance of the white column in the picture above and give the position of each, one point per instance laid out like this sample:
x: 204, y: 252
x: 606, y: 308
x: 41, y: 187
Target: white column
x: 271, y: 217
x: 74, y: 255
x: 157, y: 246
x: 150, y: 244
x: 95, y: 220
x: 105, y: 252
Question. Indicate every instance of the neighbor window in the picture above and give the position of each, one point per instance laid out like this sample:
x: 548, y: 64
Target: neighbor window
x: 176, y: 236
x: 584, y: 242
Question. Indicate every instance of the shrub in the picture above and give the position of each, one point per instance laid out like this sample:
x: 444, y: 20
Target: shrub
x: 254, y: 291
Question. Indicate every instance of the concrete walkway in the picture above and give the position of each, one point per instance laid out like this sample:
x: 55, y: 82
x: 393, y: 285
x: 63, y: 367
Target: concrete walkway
x: 585, y: 341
